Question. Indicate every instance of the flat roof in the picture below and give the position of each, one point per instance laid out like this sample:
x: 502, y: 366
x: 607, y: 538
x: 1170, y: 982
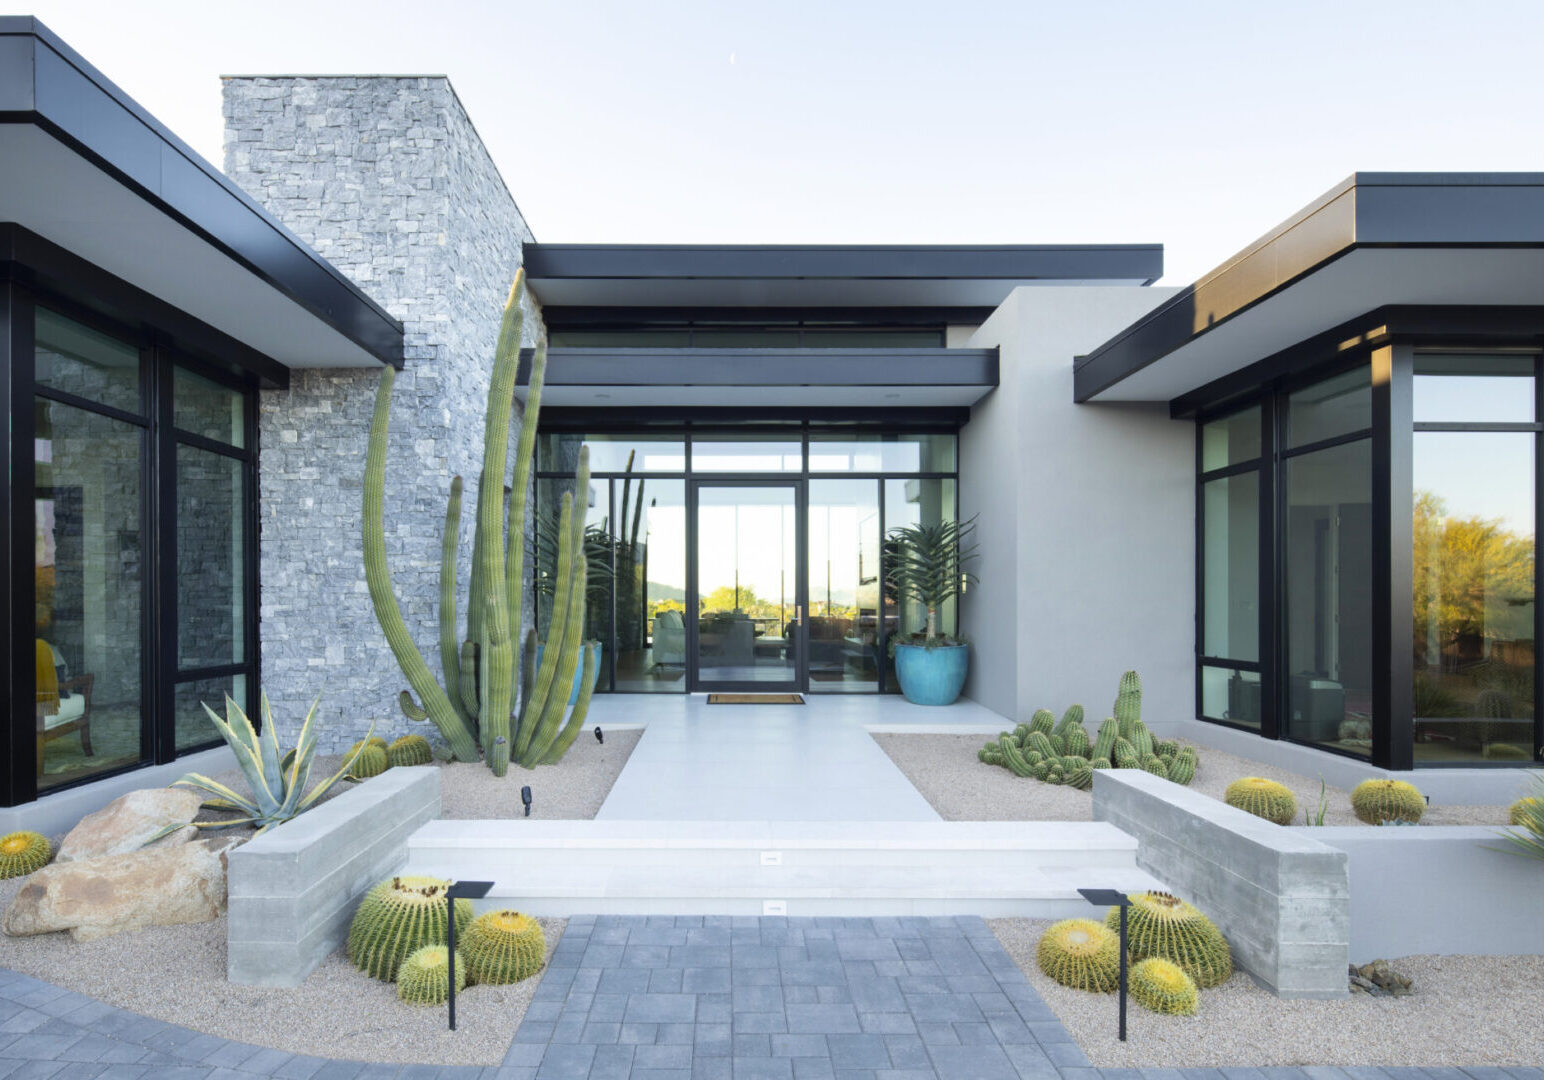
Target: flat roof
x: 825, y: 275
x: 87, y: 168
x: 1375, y: 240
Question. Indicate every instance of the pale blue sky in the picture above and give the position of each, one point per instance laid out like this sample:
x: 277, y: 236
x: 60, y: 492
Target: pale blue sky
x: 1197, y: 125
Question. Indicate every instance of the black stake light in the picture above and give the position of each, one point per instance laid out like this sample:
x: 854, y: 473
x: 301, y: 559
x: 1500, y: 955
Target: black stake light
x: 525, y: 797
x: 460, y: 890
x: 1114, y: 898
x: 600, y: 738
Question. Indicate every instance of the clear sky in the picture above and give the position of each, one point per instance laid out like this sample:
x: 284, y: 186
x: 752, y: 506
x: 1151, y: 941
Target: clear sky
x: 1195, y: 124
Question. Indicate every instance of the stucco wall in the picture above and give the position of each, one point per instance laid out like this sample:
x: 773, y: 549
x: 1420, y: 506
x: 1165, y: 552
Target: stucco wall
x: 386, y: 178
x: 1086, y: 520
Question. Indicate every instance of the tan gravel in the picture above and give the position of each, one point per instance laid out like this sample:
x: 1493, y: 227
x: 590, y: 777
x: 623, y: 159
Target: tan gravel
x: 177, y: 973
x: 945, y: 770
x: 1466, y: 1010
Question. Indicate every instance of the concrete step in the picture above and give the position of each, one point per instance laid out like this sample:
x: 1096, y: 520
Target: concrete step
x: 793, y: 868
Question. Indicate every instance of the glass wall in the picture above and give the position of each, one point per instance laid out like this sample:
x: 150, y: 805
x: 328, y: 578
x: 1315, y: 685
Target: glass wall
x: 857, y: 485
x: 1473, y: 568
x: 108, y: 618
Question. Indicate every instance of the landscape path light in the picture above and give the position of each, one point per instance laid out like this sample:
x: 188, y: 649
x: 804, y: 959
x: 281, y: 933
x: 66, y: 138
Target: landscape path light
x: 1114, y: 898
x: 460, y: 890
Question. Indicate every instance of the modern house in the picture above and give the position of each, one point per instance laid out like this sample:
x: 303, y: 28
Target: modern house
x: 1299, y: 496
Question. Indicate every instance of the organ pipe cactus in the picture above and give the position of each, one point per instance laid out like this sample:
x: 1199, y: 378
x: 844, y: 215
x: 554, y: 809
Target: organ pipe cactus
x: 1128, y: 703
x: 475, y: 708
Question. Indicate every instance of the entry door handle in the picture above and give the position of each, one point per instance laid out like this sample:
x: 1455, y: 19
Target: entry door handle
x: 798, y: 614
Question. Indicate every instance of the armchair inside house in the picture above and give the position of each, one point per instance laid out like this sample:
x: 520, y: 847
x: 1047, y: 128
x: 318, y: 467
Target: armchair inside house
x: 669, y: 638
x: 63, y: 703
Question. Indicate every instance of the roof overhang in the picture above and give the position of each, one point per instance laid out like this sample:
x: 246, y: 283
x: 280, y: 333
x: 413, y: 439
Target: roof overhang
x: 763, y: 378
x: 87, y: 169
x: 780, y: 276
x: 1378, y: 240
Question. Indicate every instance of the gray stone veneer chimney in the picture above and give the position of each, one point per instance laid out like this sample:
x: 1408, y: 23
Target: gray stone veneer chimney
x: 386, y: 178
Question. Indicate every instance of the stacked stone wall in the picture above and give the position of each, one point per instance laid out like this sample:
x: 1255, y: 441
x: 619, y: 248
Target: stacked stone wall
x: 386, y: 178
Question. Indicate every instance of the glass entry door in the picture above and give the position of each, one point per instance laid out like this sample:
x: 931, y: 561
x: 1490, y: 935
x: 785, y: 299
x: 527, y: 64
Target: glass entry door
x: 747, y: 585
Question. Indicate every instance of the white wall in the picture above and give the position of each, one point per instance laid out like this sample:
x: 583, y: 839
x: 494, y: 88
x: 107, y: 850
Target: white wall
x: 1086, y: 520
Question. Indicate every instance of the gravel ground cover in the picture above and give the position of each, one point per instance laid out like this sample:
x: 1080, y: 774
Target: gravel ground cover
x: 177, y: 973
x: 1465, y: 1011
x: 945, y: 770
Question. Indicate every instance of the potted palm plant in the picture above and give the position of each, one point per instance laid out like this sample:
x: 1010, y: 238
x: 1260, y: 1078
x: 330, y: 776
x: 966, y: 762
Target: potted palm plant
x: 930, y: 565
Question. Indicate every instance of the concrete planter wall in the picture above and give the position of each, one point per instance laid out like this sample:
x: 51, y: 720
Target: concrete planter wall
x: 1439, y: 889
x: 293, y: 890
x: 1282, y: 898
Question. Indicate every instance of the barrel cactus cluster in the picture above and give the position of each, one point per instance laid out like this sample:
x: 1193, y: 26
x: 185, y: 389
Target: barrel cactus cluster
x: 23, y: 852
x: 1062, y: 752
x: 1173, y: 951
x: 375, y: 755
x: 1378, y: 801
x: 1263, y: 798
x: 400, y: 933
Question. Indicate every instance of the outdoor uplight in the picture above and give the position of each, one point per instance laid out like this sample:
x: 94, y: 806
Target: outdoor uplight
x: 1114, y: 898
x: 525, y: 797
x: 600, y: 738
x: 460, y: 890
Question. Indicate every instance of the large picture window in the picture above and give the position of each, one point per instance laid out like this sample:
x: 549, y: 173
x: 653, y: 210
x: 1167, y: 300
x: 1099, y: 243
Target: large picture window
x: 144, y: 579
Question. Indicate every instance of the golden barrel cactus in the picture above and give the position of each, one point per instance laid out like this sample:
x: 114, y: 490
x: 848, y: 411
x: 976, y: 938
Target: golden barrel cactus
x: 371, y: 761
x: 1263, y: 798
x: 1082, y: 954
x: 1162, y: 925
x: 23, y: 852
x: 1377, y: 801
x: 410, y: 750
x: 398, y: 917
x: 503, y: 947
x: 1163, y: 987
x: 424, y: 978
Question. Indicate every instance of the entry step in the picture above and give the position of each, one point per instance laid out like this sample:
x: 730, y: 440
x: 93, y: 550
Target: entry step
x: 811, y: 868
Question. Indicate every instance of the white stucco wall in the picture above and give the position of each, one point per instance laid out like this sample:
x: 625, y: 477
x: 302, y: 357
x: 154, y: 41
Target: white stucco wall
x: 1086, y: 520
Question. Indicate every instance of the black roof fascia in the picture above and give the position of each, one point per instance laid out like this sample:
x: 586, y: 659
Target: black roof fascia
x: 575, y: 366
x: 1367, y: 210
x: 1142, y: 262
x: 560, y: 317
x: 30, y: 259
x: 675, y: 418
x: 45, y: 82
x: 1435, y: 326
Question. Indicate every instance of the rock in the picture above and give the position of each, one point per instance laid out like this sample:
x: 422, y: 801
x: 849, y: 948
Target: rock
x: 1380, y: 980
x: 126, y: 823
x: 93, y: 898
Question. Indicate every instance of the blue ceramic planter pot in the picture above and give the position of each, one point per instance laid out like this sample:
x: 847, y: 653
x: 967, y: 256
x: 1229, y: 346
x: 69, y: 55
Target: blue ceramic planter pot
x: 932, y: 676
x: 573, y: 697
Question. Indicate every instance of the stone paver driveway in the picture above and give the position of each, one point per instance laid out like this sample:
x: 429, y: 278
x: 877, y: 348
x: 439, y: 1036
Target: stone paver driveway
x: 683, y: 998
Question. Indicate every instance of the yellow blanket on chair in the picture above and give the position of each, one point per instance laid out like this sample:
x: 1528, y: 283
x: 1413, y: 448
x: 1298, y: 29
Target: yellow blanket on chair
x: 48, y: 680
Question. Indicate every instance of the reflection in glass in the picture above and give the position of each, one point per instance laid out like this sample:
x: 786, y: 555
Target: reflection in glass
x: 1231, y: 567
x: 739, y: 454
x: 1335, y: 406
x: 211, y: 559
x: 746, y: 586
x: 881, y: 453
x: 208, y: 408
x: 1231, y: 440
x: 194, y: 728
x: 651, y: 585
x: 1473, y: 596
x: 844, y: 588
x: 596, y: 508
x: 1328, y: 556
x: 915, y: 502
x: 1473, y: 389
x: 89, y: 570
x: 77, y: 360
x: 559, y: 452
x: 1230, y: 694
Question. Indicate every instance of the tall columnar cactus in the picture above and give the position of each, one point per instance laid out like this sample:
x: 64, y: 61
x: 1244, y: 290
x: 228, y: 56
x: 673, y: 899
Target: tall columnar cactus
x: 1104, y: 745
x: 1044, y: 721
x: 1073, y: 715
x: 1128, y: 703
x: 476, y: 704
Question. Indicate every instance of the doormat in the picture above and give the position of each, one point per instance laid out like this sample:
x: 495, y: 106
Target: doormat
x: 755, y: 699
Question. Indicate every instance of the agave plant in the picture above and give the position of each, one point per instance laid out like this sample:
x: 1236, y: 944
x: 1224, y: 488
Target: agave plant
x: 278, y: 782
x: 1528, y: 815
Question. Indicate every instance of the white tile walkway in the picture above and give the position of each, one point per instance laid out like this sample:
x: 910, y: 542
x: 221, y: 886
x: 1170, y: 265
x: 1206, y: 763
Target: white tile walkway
x: 811, y: 762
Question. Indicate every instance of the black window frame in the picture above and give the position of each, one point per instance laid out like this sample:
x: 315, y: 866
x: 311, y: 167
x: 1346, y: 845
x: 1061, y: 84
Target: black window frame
x: 161, y: 348
x: 712, y: 423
